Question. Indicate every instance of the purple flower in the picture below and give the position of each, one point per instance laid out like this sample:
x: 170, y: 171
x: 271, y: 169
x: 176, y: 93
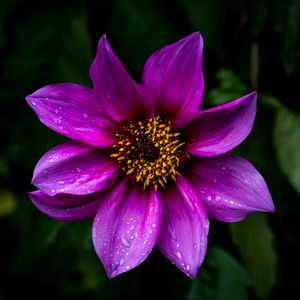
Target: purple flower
x: 143, y: 161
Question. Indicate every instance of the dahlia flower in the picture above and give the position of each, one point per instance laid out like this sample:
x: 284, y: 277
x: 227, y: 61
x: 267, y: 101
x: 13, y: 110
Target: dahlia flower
x: 144, y: 161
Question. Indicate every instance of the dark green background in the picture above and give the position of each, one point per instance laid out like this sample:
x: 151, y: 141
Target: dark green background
x: 252, y: 46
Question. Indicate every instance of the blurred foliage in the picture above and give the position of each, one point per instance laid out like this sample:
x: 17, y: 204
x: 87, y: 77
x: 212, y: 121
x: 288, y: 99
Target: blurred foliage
x: 287, y: 141
x: 222, y: 278
x: 248, y: 45
x: 255, y: 241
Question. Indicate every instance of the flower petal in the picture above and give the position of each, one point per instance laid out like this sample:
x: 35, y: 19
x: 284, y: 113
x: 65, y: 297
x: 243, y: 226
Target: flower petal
x: 70, y: 208
x: 230, y: 187
x: 174, y: 75
x: 73, y: 111
x: 184, y: 229
x: 126, y: 227
x: 121, y: 97
x: 74, y: 168
x: 219, y: 130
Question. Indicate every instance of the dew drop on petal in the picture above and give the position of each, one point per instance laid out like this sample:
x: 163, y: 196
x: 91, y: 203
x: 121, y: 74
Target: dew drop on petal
x: 218, y: 198
x: 208, y: 198
x: 57, y: 120
x: 127, y: 267
x: 188, y: 267
x: 50, y: 160
x: 179, y: 255
x: 121, y: 262
x: 85, y: 115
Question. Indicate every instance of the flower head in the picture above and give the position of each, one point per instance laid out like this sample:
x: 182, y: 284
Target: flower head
x: 144, y: 161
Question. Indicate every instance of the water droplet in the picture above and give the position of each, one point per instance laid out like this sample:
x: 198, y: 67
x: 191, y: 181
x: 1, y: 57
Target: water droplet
x: 50, y: 160
x: 62, y: 190
x: 56, y: 111
x: 215, y: 180
x: 195, y: 245
x: 61, y: 182
x: 57, y: 120
x: 127, y: 267
x: 78, y: 170
x: 52, y: 190
x: 150, y: 231
x: 240, y: 205
x: 33, y: 103
x: 223, y: 168
x: 179, y: 255
x: 177, y: 245
x: 153, y: 225
x: 231, y: 202
x: 208, y: 198
x: 121, y: 262
x: 188, y: 267
x: 218, y: 198
x: 85, y: 115
x: 126, y: 242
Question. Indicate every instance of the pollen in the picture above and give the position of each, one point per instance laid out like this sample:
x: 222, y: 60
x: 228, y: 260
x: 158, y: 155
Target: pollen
x: 150, y: 151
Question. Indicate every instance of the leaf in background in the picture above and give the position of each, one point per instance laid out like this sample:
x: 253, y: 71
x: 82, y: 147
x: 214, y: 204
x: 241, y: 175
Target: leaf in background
x: 8, y: 203
x: 145, y: 27
x: 76, y: 52
x: 201, y: 14
x: 230, y: 88
x: 255, y: 241
x: 221, y: 278
x: 287, y: 142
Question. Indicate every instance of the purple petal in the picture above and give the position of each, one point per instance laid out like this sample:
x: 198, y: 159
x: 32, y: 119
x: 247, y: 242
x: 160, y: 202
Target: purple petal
x: 184, y: 230
x: 73, y: 111
x: 174, y: 75
x: 74, y: 168
x: 230, y: 187
x: 70, y: 207
x: 121, y: 97
x: 219, y: 130
x: 126, y: 227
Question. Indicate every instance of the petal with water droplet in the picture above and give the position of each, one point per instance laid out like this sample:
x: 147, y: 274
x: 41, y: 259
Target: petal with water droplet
x: 240, y: 190
x: 127, y: 213
x: 95, y: 170
x: 185, y: 223
x: 60, y: 107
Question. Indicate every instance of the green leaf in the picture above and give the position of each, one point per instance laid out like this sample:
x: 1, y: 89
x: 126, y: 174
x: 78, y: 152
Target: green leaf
x: 221, y: 278
x: 74, y: 67
x: 145, y: 27
x: 255, y: 241
x: 287, y: 143
x: 230, y: 88
x: 201, y: 14
x: 8, y: 203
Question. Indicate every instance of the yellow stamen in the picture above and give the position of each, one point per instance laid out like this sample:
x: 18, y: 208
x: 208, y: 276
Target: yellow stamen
x: 150, y: 151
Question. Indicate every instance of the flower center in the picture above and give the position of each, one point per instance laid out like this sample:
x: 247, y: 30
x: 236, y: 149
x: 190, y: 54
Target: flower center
x: 149, y: 151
